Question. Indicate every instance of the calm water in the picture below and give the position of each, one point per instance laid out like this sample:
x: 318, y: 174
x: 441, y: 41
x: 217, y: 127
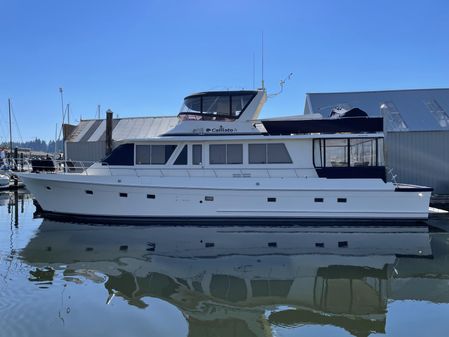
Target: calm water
x: 66, y: 279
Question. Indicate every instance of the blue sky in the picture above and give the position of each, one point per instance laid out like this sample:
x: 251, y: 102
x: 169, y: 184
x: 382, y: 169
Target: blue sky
x: 142, y: 57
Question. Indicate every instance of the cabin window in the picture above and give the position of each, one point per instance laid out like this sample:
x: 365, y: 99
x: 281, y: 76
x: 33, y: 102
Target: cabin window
x: 318, y: 153
x: 278, y: 154
x: 121, y: 155
x: 336, y: 152
x: 225, y: 154
x: 362, y: 152
x: 153, y: 154
x: 197, y: 154
x: 182, y: 157
x: 271, y: 153
x: 380, y: 152
x: 348, y: 152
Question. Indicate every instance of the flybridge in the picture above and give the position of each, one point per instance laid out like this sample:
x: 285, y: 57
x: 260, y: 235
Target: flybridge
x: 219, y: 113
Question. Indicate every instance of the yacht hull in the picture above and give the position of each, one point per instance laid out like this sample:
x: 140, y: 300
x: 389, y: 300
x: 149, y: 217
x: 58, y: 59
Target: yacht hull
x: 201, y: 199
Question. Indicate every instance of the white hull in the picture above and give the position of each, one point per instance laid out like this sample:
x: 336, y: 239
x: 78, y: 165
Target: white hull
x: 196, y: 198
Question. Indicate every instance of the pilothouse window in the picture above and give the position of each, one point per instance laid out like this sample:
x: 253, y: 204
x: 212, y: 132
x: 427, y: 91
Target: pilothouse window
x: 220, y: 106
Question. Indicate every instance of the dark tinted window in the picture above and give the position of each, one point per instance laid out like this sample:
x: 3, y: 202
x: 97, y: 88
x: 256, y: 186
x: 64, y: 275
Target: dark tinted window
x: 197, y: 154
x: 121, y: 155
x: 182, y: 157
x: 239, y: 102
x: 216, y: 105
x: 153, y: 154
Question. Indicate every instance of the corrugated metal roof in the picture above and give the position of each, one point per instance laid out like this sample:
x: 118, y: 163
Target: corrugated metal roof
x: 123, y: 128
x: 414, y: 110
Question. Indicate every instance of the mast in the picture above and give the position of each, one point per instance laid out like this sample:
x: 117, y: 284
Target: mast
x: 10, y: 128
x: 263, y: 82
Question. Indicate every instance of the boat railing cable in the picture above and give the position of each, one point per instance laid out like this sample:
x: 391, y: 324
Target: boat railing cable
x: 87, y: 168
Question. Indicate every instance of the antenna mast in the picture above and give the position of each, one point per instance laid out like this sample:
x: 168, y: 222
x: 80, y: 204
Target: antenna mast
x: 254, y: 71
x: 263, y: 82
x: 10, y: 128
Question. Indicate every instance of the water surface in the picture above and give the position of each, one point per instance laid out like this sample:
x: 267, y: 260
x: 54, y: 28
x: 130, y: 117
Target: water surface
x: 68, y: 279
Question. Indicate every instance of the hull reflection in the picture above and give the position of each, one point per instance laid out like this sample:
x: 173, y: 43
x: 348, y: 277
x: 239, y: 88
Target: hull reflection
x: 238, y: 280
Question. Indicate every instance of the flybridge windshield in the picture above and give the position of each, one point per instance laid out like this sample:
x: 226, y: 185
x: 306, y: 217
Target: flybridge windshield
x: 215, y: 106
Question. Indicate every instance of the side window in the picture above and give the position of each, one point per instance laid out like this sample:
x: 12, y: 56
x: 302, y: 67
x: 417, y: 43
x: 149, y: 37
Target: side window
x: 272, y: 153
x: 257, y: 153
x: 336, y: 152
x: 153, y: 154
x: 182, y: 157
x: 380, y: 152
x: 197, y: 154
x: 359, y: 151
x: 318, y: 152
x: 234, y: 154
x: 362, y: 152
x: 217, y: 154
x: 225, y: 154
x: 122, y: 155
x: 278, y: 154
x: 142, y: 154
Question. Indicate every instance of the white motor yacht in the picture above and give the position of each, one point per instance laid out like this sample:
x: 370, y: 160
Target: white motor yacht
x: 221, y: 163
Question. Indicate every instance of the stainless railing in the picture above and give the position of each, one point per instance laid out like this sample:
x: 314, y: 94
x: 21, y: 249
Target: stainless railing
x: 86, y: 168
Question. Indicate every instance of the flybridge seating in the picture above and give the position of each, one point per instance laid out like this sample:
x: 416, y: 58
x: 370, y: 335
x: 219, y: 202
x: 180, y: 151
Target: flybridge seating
x: 216, y: 105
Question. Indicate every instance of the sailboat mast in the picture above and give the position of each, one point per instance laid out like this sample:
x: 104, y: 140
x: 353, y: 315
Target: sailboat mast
x: 10, y: 128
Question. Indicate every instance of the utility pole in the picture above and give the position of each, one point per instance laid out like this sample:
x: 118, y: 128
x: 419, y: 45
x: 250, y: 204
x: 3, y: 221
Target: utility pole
x: 68, y: 113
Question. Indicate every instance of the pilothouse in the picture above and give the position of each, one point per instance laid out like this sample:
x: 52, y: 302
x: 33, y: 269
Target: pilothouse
x: 220, y: 163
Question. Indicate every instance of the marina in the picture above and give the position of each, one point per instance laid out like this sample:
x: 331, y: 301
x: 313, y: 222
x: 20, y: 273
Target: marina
x: 224, y: 169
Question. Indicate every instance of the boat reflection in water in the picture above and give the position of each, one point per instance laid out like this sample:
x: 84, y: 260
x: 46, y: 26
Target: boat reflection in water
x: 240, y: 281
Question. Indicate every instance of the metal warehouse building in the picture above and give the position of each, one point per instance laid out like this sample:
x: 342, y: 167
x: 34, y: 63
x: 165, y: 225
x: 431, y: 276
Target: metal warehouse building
x: 416, y: 124
x: 87, y: 141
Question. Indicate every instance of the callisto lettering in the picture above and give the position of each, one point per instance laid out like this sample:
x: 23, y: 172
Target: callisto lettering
x: 220, y: 129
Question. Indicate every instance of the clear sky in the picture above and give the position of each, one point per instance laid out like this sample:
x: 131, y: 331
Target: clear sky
x: 141, y: 57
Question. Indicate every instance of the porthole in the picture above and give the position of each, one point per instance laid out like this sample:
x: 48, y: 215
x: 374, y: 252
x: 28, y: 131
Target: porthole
x: 151, y: 196
x: 48, y: 188
x: 319, y: 199
x: 341, y: 200
x: 123, y: 195
x: 89, y: 192
x: 209, y: 198
x: 271, y: 199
